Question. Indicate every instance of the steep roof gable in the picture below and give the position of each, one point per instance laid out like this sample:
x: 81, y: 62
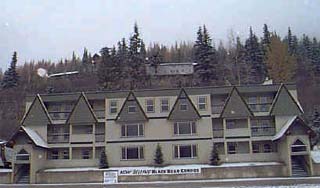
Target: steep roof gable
x: 36, y: 139
x: 235, y: 106
x: 82, y: 112
x: 284, y: 103
x: 125, y: 116
x: 37, y: 113
x: 190, y: 113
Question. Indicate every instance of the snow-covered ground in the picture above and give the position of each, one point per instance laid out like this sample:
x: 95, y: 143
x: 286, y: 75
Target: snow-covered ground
x: 280, y: 186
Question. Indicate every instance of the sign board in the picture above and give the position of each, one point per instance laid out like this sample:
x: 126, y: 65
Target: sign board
x: 131, y: 171
x: 110, y: 177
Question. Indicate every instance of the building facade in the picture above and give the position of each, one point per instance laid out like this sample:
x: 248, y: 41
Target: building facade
x: 258, y: 123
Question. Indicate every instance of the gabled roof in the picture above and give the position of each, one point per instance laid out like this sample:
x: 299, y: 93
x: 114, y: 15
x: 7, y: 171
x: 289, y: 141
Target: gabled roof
x: 33, y: 135
x: 36, y: 101
x: 287, y: 125
x: 284, y: 103
x: 191, y: 113
x: 83, y: 112
x: 140, y: 116
x: 235, y: 105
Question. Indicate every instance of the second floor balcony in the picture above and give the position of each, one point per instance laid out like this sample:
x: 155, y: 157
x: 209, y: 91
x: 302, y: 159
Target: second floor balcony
x: 55, y: 138
x: 262, y: 131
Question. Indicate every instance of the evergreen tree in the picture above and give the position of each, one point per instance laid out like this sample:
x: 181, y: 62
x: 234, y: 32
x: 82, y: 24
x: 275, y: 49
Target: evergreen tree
x: 86, y: 64
x: 103, y: 162
x: 315, y: 125
x: 242, y: 72
x: 265, y: 42
x: 254, y: 58
x: 135, y: 41
x: 11, y: 77
x: 214, y: 159
x: 158, y: 157
x: 281, y: 65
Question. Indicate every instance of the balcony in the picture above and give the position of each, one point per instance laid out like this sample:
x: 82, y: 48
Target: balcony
x: 237, y: 132
x: 262, y: 131
x: 58, y: 138
x: 59, y: 115
x: 81, y: 138
x: 217, y: 133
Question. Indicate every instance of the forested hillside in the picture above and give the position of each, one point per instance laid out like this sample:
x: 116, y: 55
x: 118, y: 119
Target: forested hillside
x: 251, y: 60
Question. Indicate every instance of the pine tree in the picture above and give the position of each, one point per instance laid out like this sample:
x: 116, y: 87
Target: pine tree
x: 11, y: 77
x: 281, y: 65
x: 158, y: 157
x: 86, y: 64
x: 265, y: 42
x: 135, y: 41
x: 103, y: 162
x: 254, y: 58
x: 315, y: 125
x: 214, y: 159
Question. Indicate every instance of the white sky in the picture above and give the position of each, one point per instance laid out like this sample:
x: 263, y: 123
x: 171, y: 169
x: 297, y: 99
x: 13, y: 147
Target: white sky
x: 52, y: 29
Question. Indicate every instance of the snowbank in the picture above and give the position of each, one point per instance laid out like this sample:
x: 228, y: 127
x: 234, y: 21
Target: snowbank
x: 315, y: 155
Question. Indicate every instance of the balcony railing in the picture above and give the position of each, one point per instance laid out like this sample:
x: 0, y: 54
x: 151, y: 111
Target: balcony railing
x: 99, y: 137
x: 59, y: 115
x: 100, y: 114
x: 58, y: 138
x: 298, y: 148
x: 260, y: 107
x: 217, y: 133
x: 262, y: 131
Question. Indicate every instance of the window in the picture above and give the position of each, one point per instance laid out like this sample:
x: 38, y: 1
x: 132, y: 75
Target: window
x: 183, y: 105
x: 85, y: 154
x: 132, y: 109
x: 260, y: 103
x: 132, y: 153
x: 267, y: 148
x: 202, y: 103
x: 164, y: 105
x: 54, y: 154
x: 231, y: 124
x: 184, y: 128
x: 65, y: 154
x: 113, y: 107
x: 131, y: 130
x: 82, y: 129
x: 232, y: 147
x: 150, y: 105
x: 255, y: 148
x: 185, y: 151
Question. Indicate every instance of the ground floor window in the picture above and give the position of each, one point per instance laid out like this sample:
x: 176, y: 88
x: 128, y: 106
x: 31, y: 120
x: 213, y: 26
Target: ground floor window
x: 185, y: 151
x: 82, y: 153
x: 185, y: 128
x: 264, y: 147
x: 58, y: 153
x: 132, y: 153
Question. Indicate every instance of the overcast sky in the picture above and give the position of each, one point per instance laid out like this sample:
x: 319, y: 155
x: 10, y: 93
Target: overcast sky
x: 52, y: 29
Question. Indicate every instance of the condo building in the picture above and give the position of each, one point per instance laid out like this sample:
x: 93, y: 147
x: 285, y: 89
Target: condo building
x: 254, y: 123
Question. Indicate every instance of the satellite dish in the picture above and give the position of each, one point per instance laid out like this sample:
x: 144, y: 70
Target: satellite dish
x: 43, y: 73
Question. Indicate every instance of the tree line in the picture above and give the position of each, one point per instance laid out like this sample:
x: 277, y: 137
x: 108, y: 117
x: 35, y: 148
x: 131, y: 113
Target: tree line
x: 251, y: 60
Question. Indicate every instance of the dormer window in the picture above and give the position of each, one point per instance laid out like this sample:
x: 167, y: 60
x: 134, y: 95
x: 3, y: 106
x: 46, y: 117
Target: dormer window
x: 150, y: 105
x: 183, y: 105
x: 132, y: 109
x: 202, y: 102
x: 113, y: 107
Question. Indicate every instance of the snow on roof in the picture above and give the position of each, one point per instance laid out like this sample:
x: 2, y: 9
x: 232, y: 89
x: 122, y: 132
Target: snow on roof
x: 224, y: 165
x: 38, y: 141
x: 63, y: 74
x: 284, y: 128
x: 315, y: 155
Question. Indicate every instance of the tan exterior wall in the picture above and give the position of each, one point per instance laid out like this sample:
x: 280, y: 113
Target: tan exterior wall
x: 5, y: 177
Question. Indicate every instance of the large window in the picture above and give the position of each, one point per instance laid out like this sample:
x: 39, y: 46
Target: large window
x: 113, y: 107
x: 185, y: 128
x: 202, y: 102
x: 262, y: 127
x: 132, y: 153
x: 238, y: 147
x: 82, y: 129
x: 132, y: 109
x: 264, y: 147
x: 86, y: 154
x: 58, y: 153
x: 150, y: 105
x: 132, y: 130
x: 236, y: 123
x: 164, y: 105
x: 260, y: 103
x: 185, y: 151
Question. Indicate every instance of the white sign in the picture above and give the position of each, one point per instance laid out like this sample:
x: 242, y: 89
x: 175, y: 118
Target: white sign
x: 158, y: 171
x: 110, y: 177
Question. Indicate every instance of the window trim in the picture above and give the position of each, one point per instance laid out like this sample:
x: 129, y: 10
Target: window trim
x: 140, y: 125
x: 192, y: 126
x: 161, y: 105
x: 205, y: 103
x: 113, y: 107
x: 183, y: 145
x: 141, y: 155
x: 148, y: 105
